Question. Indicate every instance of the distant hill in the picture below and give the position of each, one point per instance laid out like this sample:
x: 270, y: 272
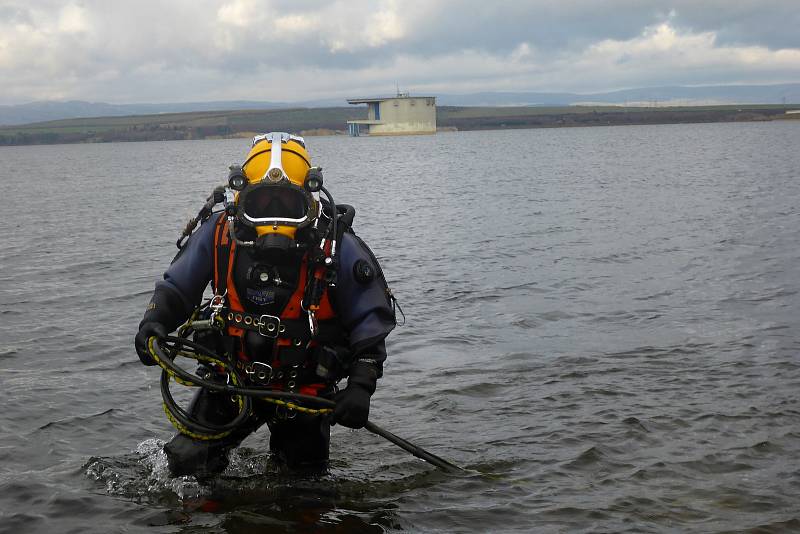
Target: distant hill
x: 648, y: 97
x: 332, y: 121
x: 77, y: 109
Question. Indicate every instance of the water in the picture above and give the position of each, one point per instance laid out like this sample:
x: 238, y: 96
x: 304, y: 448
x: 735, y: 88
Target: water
x: 601, y: 327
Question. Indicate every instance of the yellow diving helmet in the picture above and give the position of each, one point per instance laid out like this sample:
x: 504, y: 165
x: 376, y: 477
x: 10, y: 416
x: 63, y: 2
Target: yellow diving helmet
x: 272, y: 198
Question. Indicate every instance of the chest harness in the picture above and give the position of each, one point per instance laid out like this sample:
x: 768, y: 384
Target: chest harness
x: 288, y: 342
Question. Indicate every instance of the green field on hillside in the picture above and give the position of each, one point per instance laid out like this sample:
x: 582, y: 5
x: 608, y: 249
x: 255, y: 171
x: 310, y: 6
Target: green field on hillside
x: 203, y: 125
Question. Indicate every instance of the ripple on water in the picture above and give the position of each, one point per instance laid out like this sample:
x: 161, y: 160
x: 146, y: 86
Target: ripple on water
x: 255, y: 485
x: 621, y: 358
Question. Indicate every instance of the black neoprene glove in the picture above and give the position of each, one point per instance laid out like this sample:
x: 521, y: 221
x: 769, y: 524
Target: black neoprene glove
x: 352, y: 407
x: 352, y: 403
x: 164, y: 313
x: 146, y: 330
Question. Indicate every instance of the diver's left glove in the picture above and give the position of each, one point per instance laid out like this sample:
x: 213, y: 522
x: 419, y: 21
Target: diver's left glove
x: 146, y: 331
x: 352, y: 403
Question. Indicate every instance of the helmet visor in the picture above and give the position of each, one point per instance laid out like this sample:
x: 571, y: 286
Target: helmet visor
x: 269, y: 203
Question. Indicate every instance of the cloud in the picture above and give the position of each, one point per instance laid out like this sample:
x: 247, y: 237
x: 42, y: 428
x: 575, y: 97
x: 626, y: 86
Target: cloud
x: 186, y: 50
x: 664, y: 55
x: 240, y: 13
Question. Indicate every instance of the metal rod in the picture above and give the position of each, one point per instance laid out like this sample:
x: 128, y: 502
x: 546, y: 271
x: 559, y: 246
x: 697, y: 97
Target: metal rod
x: 419, y: 452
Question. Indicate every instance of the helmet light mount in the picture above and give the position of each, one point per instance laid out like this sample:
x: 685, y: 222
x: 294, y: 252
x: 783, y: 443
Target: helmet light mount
x: 313, y: 182
x: 236, y: 178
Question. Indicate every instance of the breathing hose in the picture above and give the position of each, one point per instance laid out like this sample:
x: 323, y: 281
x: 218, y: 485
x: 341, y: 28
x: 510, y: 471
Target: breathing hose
x: 334, y: 216
x: 165, y: 349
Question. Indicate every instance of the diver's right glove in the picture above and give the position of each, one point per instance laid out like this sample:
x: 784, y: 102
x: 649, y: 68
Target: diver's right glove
x: 164, y: 313
x: 146, y: 331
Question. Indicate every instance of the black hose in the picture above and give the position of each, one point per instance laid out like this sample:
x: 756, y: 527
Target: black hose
x: 192, y: 423
x: 166, y: 360
x: 348, y: 213
x: 233, y: 390
x: 216, y: 197
x: 334, y: 217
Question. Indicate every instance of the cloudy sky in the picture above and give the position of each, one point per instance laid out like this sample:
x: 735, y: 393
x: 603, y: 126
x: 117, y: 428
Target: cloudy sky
x: 122, y: 51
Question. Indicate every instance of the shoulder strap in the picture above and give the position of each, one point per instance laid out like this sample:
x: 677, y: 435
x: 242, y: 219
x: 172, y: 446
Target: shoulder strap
x: 222, y: 255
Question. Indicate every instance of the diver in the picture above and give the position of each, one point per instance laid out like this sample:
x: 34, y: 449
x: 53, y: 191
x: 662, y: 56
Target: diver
x: 301, y: 301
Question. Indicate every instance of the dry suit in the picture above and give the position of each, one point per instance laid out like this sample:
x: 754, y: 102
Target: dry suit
x: 268, y: 337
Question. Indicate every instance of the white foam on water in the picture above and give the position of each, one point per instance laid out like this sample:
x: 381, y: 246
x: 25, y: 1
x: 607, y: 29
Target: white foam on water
x: 245, y: 462
x: 144, y: 474
x: 152, y: 456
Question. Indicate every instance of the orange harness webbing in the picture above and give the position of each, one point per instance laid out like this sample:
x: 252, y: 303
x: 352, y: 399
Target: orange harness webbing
x: 224, y: 255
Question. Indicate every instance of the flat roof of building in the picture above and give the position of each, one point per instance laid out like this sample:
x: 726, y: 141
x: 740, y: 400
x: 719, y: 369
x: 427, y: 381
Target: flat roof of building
x: 382, y: 99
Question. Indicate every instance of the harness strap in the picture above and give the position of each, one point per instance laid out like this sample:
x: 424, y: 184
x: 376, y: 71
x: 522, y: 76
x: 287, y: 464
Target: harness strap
x: 271, y: 326
x: 222, y: 246
x: 287, y: 337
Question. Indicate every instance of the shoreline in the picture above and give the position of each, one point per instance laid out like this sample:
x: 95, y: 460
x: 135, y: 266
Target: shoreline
x: 327, y: 122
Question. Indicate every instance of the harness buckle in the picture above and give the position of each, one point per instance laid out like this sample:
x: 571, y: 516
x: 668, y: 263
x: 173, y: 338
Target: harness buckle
x: 313, y: 325
x: 216, y: 305
x: 217, y: 302
x: 259, y: 372
x: 269, y: 326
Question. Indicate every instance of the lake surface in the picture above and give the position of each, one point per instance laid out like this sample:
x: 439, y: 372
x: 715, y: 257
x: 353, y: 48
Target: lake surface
x: 602, y: 328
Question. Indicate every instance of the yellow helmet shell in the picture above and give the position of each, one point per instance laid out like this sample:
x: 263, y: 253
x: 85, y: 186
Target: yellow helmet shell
x: 294, y: 159
x: 295, y: 162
